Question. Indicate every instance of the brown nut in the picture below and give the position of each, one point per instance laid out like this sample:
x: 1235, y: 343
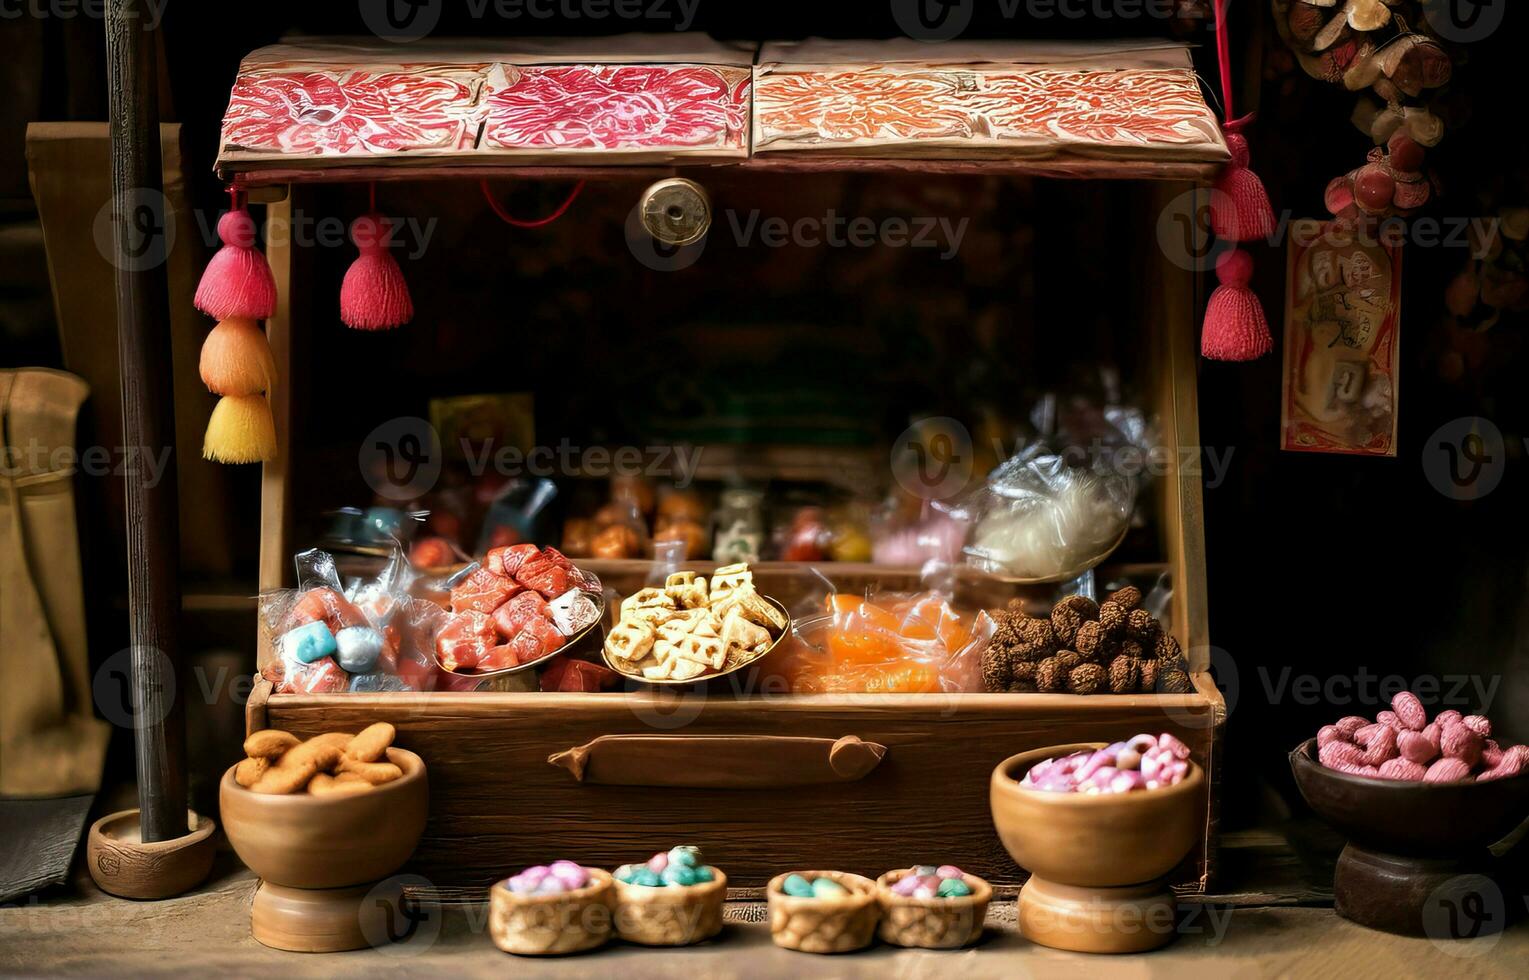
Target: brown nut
x: 375, y: 773
x: 324, y: 755
x: 371, y: 743
x: 269, y: 744
x: 338, y: 739
x: 248, y: 772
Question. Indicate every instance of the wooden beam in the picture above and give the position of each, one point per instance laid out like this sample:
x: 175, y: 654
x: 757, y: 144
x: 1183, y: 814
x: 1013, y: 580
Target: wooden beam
x: 148, y: 418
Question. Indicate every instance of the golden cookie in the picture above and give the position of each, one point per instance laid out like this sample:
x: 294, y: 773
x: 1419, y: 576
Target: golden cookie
x: 324, y: 784
x: 286, y: 776
x: 324, y: 755
x: 269, y: 744
x: 248, y: 772
x: 373, y: 741
x: 375, y: 773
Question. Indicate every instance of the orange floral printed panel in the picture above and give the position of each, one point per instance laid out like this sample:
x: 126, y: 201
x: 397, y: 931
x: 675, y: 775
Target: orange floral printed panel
x: 981, y: 107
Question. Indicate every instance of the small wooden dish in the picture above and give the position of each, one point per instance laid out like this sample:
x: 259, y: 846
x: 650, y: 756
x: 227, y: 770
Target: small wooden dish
x: 670, y: 915
x: 551, y: 925
x: 841, y: 924
x: 1098, y: 863
x: 931, y: 923
x: 123, y: 865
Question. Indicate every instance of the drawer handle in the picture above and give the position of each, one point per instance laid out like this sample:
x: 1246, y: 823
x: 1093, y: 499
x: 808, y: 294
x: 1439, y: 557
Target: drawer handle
x: 719, y: 761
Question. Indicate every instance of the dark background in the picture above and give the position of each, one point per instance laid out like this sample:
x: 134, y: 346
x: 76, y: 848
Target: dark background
x: 1327, y: 565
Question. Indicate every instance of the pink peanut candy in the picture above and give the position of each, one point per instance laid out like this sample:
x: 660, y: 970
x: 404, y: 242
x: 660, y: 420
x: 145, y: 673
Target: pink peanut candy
x: 1403, y: 769
x: 1369, y: 772
x: 1174, y: 745
x: 1460, y: 742
x: 1478, y: 724
x: 1417, y: 747
x: 1491, y: 753
x: 1446, y: 718
x: 1409, y: 711
x: 1331, y: 733
x: 1352, y: 723
x: 1337, y: 755
x: 1389, y: 719
x: 1447, y: 770
x: 1378, y: 742
x: 1511, y: 765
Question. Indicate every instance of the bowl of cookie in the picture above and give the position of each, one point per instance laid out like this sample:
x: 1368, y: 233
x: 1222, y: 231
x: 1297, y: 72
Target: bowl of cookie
x: 694, y: 629
x: 335, y: 810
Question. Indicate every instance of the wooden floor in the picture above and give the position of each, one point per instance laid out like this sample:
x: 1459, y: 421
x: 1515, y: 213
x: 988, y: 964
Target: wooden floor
x: 84, y: 932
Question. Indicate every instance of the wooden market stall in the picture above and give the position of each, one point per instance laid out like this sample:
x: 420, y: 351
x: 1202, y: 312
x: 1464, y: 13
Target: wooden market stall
x: 310, y: 121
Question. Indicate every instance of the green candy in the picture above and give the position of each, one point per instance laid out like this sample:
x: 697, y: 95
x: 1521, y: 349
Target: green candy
x: 646, y: 877
x: 953, y: 888
x: 679, y: 874
x: 703, y: 873
x: 827, y: 888
x: 626, y: 872
x: 798, y: 886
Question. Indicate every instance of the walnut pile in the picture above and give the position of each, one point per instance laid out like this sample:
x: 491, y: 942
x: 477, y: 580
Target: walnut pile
x: 1083, y: 647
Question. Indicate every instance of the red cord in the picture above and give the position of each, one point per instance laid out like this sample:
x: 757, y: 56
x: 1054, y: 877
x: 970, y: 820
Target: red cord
x: 1224, y: 56
x: 510, y: 219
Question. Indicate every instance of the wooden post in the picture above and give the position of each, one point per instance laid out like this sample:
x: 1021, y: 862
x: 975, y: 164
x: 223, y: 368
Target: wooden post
x: 148, y: 418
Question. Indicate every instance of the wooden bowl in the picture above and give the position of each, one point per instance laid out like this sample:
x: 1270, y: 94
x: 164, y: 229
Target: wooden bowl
x: 670, y: 915
x: 1097, y: 862
x: 1094, y: 841
x: 841, y: 924
x: 551, y: 925
x: 123, y: 865
x: 1417, y: 852
x: 305, y: 841
x: 931, y: 923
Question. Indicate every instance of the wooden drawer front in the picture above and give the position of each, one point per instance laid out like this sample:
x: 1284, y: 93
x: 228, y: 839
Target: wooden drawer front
x: 497, y: 804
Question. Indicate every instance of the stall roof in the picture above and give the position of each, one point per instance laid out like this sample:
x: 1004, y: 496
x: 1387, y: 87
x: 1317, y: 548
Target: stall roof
x: 352, y: 109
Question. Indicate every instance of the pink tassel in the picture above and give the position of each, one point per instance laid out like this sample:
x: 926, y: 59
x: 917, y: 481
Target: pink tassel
x: 1239, y: 205
x: 374, y: 295
x: 238, y: 280
x: 1235, y: 327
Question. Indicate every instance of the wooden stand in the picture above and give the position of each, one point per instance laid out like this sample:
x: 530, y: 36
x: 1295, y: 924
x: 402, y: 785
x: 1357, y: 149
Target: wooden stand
x: 1127, y: 919
x: 330, y: 920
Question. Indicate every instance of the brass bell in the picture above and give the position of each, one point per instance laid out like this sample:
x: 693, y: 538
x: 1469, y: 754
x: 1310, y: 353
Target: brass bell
x: 676, y: 211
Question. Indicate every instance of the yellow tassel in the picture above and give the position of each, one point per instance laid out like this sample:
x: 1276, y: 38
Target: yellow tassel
x: 241, y: 430
x: 236, y: 359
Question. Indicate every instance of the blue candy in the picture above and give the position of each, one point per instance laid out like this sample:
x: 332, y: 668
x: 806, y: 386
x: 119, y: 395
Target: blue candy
x: 703, y: 873
x: 307, y: 643
x: 686, y: 855
x: 358, y: 648
x: 678, y: 874
x: 645, y: 877
x: 377, y: 683
x: 798, y: 886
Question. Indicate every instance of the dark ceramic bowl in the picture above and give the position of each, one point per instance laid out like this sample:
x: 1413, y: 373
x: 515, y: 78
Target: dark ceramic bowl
x: 1411, y: 818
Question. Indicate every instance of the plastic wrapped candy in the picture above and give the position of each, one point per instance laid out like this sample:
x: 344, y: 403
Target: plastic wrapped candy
x: 573, y: 611
x: 483, y: 591
x: 463, y: 642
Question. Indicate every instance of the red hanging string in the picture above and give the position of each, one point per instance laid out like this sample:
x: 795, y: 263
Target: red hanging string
x: 1224, y: 58
x: 510, y: 219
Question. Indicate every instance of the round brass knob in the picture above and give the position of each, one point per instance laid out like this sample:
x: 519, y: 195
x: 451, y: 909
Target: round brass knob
x: 676, y: 211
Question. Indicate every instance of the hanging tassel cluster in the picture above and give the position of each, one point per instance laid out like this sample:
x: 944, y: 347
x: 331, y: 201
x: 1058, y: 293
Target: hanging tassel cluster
x: 237, y: 289
x: 374, y: 295
x: 1235, y: 327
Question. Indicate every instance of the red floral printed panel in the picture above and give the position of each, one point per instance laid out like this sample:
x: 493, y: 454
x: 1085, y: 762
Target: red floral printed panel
x: 619, y: 107
x: 839, y: 108
x: 300, y: 111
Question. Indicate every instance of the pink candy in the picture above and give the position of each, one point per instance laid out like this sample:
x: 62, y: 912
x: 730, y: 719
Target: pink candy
x: 1141, y: 762
x: 1402, y: 744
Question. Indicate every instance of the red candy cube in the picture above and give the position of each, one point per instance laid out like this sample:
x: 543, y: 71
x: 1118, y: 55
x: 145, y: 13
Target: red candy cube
x: 325, y: 605
x: 482, y: 591
x: 464, y: 641
x: 546, y: 577
x: 507, y: 561
x: 517, y: 612
x: 556, y: 557
x: 498, y: 658
x: 526, y: 647
x: 323, y: 676
x: 546, y: 633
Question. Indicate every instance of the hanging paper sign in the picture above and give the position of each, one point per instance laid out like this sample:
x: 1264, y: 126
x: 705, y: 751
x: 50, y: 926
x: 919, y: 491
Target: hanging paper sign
x: 1342, y: 312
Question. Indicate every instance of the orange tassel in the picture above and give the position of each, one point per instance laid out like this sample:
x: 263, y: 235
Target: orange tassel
x: 1235, y: 327
x: 237, y: 359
